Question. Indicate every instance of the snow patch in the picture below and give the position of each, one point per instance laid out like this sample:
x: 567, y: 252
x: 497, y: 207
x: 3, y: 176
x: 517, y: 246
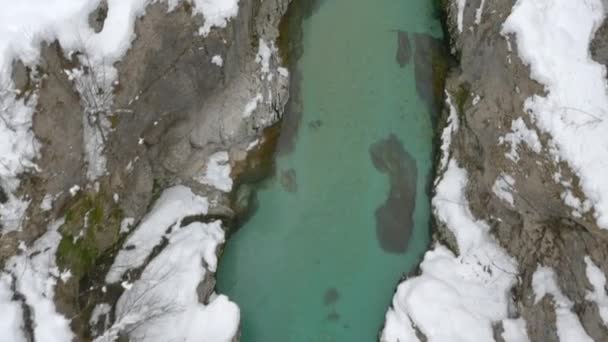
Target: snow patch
x: 456, y: 298
x: 479, y: 12
x: 169, y: 315
x: 569, y: 328
x: 11, y: 316
x: 574, y: 110
x: 461, y: 5
x: 218, y: 172
x: 263, y: 55
x: 217, y: 13
x: 598, y: 295
x: 514, y: 330
x: 448, y: 132
x: 36, y: 275
x: 503, y: 186
x: 252, y: 105
x: 173, y: 205
x: 217, y: 60
x: 520, y: 134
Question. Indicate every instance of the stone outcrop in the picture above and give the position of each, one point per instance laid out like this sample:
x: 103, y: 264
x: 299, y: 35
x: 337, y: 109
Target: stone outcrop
x: 173, y: 107
x: 488, y: 90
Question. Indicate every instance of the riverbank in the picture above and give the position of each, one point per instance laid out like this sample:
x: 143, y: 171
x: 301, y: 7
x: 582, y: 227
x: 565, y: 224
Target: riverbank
x: 518, y: 253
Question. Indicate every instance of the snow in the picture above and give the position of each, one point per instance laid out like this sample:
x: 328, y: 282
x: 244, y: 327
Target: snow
x: 553, y: 38
x: 252, y: 105
x: 456, y: 297
x: 218, y: 171
x: 569, y: 328
x: 283, y: 72
x: 263, y: 55
x: 253, y: 145
x: 520, y: 133
x: 18, y: 146
x: 126, y: 224
x: 448, y: 132
x: 12, y: 213
x: 36, y: 275
x: 173, y: 205
x: 47, y: 202
x: 502, y: 188
x: 461, y: 5
x: 18, y: 149
x: 216, y: 13
x: 28, y: 23
x: 99, y: 311
x: 11, y: 315
x: 479, y: 12
x: 217, y: 60
x: 598, y: 295
x: 514, y: 330
x: 74, y: 190
x: 165, y: 314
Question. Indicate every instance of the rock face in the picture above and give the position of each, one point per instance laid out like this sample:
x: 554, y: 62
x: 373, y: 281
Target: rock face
x: 535, y: 226
x: 174, y: 105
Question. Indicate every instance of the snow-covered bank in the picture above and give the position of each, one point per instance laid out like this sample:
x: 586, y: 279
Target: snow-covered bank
x: 33, y: 275
x: 163, y: 304
x: 25, y: 25
x: 123, y: 180
x: 529, y: 160
x: 575, y: 109
x: 456, y: 297
x: 172, y: 206
x: 164, y: 314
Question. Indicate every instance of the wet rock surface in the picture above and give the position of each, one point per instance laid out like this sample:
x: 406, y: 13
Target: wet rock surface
x: 394, y: 221
x: 488, y: 90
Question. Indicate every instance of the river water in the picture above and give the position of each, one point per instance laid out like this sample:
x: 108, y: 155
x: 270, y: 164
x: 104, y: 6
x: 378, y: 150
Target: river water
x: 347, y: 211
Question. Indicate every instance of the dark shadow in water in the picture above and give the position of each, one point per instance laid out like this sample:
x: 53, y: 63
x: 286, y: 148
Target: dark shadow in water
x: 289, y: 180
x: 333, y: 316
x: 291, y: 49
x: 315, y: 124
x: 331, y: 296
x: 431, y: 61
x: 394, y: 221
x: 404, y: 49
x: 292, y: 116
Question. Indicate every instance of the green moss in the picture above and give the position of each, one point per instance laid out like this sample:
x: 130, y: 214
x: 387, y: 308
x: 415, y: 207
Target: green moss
x: 96, y: 214
x: 76, y: 255
x: 92, y: 225
x: 114, y: 120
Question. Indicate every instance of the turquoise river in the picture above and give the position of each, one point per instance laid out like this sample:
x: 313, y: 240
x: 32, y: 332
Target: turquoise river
x: 346, y: 212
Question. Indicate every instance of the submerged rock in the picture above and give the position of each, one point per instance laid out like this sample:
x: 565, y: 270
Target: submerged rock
x: 331, y: 296
x: 289, y: 181
x: 404, y: 49
x: 394, y: 219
